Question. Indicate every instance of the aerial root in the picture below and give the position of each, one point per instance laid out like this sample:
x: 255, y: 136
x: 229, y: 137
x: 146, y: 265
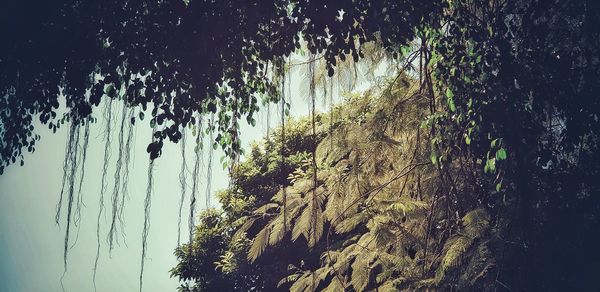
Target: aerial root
x: 182, y: 183
x: 195, y: 176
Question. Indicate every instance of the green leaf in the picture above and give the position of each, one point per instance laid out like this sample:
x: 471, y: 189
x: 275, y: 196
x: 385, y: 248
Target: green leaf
x: 501, y: 154
x: 405, y: 50
x: 449, y: 93
x: 450, y: 96
x: 451, y: 104
x: 433, y: 158
x: 142, y: 116
x: 498, y: 186
x: 490, y: 166
x: 468, y: 140
x: 493, y: 143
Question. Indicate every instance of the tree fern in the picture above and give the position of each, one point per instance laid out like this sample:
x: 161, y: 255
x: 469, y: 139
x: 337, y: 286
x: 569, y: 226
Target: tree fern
x: 474, y: 224
x: 376, y: 190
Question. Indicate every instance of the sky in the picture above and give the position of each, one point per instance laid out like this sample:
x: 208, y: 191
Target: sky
x: 31, y: 243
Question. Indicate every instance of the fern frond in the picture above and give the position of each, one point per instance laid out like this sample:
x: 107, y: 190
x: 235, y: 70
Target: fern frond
x: 291, y: 196
x: 259, y: 244
x: 302, y: 186
x: 481, y: 264
x: 381, y: 230
x: 392, y: 260
x: 407, y: 206
x: 265, y: 208
x: 322, y: 273
x: 248, y: 222
x: 333, y: 207
x: 456, y: 248
x: 335, y: 285
x: 302, y: 224
x: 288, y: 279
x: 277, y: 230
x: 476, y: 222
x: 317, y: 225
x: 361, y: 273
x: 304, y: 283
x: 352, y: 222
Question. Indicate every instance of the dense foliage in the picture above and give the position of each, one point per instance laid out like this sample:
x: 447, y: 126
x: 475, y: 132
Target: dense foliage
x: 474, y: 167
x: 386, y: 216
x: 216, y: 258
x: 165, y: 55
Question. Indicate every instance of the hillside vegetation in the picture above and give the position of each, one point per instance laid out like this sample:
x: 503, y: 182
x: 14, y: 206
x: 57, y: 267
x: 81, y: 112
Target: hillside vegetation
x: 380, y: 212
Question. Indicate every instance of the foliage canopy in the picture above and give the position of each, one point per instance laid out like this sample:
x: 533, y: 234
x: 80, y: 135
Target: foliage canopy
x: 486, y: 140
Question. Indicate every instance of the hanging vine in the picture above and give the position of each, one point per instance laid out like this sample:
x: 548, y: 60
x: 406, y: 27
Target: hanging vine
x: 195, y: 176
x: 182, y: 183
x: 84, y: 148
x: 117, y: 180
x: 107, y: 149
x: 147, y: 203
x: 312, y: 94
x: 70, y: 179
x: 64, y: 177
x: 268, y: 118
x: 127, y: 152
x: 209, y: 172
x: 282, y: 151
